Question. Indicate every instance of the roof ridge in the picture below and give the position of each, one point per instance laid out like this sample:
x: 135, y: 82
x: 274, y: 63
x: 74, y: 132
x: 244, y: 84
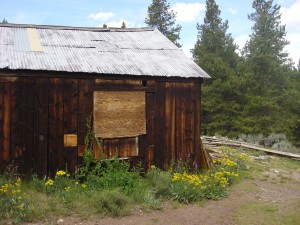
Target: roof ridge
x: 57, y: 27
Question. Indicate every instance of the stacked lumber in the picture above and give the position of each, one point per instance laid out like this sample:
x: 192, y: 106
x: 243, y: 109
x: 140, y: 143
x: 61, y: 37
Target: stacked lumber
x: 212, y: 143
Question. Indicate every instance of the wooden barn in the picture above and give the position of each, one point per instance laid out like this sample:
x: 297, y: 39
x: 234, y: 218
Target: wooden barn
x: 143, y: 93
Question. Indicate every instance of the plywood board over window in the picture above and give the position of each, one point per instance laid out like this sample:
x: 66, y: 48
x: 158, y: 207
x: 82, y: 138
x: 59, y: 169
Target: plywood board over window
x: 119, y: 114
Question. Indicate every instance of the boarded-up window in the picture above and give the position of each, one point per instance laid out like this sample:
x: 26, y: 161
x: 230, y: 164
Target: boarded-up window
x: 119, y: 114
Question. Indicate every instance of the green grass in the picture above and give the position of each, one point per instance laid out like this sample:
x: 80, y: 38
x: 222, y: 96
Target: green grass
x: 115, y: 190
x: 248, y: 187
x: 259, y: 166
x: 275, y: 171
x: 262, y: 213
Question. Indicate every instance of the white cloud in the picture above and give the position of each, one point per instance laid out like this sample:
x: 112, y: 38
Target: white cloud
x: 294, y: 47
x: 281, y: 2
x: 187, y: 12
x: 232, y: 10
x: 291, y: 16
x: 241, y: 40
x: 101, y: 15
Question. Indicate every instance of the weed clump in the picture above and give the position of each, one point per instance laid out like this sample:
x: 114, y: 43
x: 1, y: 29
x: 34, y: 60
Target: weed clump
x: 13, y: 201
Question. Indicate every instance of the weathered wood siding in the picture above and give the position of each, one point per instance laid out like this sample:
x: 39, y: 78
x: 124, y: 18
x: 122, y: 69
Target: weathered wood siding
x: 177, y: 123
x: 35, y: 113
x: 172, y: 123
x: 37, y: 110
x: 4, y: 121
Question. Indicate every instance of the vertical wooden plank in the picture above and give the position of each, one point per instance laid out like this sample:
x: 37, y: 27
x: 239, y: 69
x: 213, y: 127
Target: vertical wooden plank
x: 6, y: 123
x: 169, y: 154
x: 1, y: 122
x: 16, y: 150
x: 26, y: 121
x: 106, y: 147
x: 114, y: 148
x: 126, y: 149
x: 142, y: 147
x: 202, y: 155
x: 180, y: 121
x: 41, y: 126
x: 150, y: 118
x: 85, y: 108
x: 160, y: 145
x: 150, y: 129
x: 71, y: 91
x: 56, y: 135
x: 189, y: 125
x: 197, y: 121
x: 97, y: 150
x: 113, y: 151
x: 122, y: 149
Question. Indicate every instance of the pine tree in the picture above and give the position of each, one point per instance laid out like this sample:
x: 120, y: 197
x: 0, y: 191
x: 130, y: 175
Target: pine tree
x: 104, y: 25
x: 215, y: 53
x: 4, y: 21
x: 162, y: 17
x: 123, y: 25
x: 267, y: 65
x: 264, y: 51
x: 213, y: 37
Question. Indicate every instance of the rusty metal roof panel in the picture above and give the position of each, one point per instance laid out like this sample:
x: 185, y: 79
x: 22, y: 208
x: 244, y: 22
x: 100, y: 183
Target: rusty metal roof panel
x: 90, y: 50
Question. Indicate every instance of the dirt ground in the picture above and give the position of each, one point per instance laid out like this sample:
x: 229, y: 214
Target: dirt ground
x: 275, y: 190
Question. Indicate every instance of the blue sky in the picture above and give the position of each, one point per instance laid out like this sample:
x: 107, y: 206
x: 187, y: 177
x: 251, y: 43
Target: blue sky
x: 93, y: 13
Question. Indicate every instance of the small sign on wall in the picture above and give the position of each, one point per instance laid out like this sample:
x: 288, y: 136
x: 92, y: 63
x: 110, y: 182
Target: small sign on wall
x: 70, y: 140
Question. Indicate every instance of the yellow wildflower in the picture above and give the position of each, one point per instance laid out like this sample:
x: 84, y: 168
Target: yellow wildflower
x: 49, y: 182
x: 152, y: 167
x: 202, y: 187
x: 25, y: 196
x: 21, y: 207
x: 67, y: 189
x: 60, y: 173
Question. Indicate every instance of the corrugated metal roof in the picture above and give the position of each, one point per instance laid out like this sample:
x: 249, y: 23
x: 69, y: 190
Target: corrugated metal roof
x: 93, y: 50
x: 34, y: 40
x: 21, y: 40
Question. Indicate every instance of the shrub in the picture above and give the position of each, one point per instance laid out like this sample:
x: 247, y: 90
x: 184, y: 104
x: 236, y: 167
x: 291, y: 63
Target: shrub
x: 36, y: 184
x: 13, y: 201
x: 112, y: 202
x: 150, y: 201
x: 113, y: 174
x: 105, y: 173
x: 274, y: 141
x: 159, y: 180
x: 211, y: 184
x: 187, y: 187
